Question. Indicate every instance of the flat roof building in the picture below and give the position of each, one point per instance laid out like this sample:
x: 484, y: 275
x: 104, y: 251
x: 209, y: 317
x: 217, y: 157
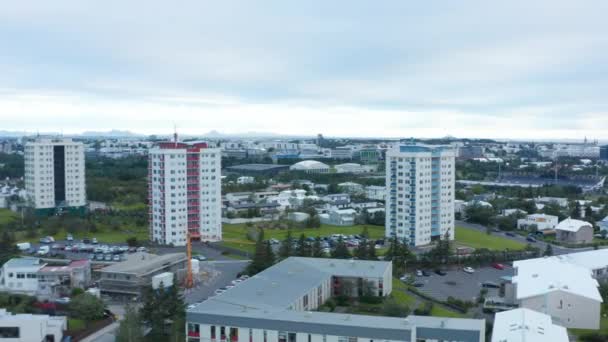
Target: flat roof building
x: 130, y: 276
x: 278, y: 305
x: 28, y: 327
x: 258, y: 169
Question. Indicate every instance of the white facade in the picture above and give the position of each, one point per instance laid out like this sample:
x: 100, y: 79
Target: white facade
x: 542, y: 222
x: 19, y: 275
x: 185, y: 193
x: 28, y: 327
x: 521, y: 325
x: 375, y: 192
x: 245, y: 180
x: 54, y: 173
x: 420, y: 193
x: 565, y: 291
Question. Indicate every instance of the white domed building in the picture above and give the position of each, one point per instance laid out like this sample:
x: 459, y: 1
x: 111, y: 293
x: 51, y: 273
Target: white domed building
x: 310, y: 166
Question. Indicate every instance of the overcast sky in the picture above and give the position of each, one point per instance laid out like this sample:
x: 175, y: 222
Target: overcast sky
x: 496, y: 69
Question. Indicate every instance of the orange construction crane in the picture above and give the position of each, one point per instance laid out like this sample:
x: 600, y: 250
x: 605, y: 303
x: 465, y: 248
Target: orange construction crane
x: 189, y: 278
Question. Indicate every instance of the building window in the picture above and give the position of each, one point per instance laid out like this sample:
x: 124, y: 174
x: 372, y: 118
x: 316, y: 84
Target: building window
x: 9, y: 332
x: 291, y: 337
x: 234, y: 334
x: 212, y: 332
x: 282, y: 336
x: 265, y: 336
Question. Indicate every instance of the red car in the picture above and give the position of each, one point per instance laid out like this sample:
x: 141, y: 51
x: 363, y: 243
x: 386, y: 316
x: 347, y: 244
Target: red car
x: 498, y: 266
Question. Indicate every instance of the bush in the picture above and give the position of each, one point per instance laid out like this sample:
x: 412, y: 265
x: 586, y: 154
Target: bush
x: 463, y: 305
x: 331, y: 304
x: 370, y: 299
x: 132, y: 241
x: 392, y: 308
x: 76, y: 291
x: 86, y: 307
x: 342, y: 300
x: 424, y: 309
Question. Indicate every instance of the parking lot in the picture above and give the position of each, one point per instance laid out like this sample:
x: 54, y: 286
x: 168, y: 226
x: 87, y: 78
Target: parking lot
x: 462, y: 285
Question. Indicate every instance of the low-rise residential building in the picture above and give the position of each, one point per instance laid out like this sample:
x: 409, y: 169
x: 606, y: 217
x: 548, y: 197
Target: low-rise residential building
x: 339, y: 217
x: 130, y: 276
x: 58, y: 281
x: 563, y: 290
x: 351, y: 187
x: 375, y: 192
x: 245, y: 180
x: 562, y: 202
x: 30, y: 328
x: 540, y: 221
x: 298, y: 216
x: 355, y: 168
x: 20, y: 275
x: 279, y: 304
x: 337, y: 198
x: 574, y: 231
x: 524, y: 325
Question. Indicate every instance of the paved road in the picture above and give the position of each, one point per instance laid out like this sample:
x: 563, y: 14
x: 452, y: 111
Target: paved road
x: 557, y: 250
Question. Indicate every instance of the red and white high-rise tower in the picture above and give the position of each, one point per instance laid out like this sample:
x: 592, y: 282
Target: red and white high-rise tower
x: 184, y: 192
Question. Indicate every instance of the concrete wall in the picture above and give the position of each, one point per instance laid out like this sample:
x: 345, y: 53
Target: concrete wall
x: 584, y: 235
x: 566, y: 309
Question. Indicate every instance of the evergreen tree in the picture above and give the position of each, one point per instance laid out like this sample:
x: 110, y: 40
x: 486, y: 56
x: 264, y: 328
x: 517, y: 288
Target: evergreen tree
x: 270, y: 258
x: 341, y: 251
x: 548, y: 250
x: 161, y: 306
x: 371, y: 250
x: 361, y: 251
x: 588, y: 212
x: 260, y: 259
x: 317, y: 250
x: 286, y: 249
x: 365, y: 232
x: 576, y: 211
x: 8, y: 249
x: 302, y: 247
x: 130, y: 329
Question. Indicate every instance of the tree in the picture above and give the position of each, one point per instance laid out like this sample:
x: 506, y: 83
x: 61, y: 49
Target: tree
x: 132, y: 241
x: 392, y: 308
x: 130, y: 329
x: 340, y: 251
x: 270, y: 258
x: 8, y: 249
x: 480, y: 214
x: 365, y: 232
x: 588, y: 212
x: 548, y: 250
x: 317, y: 250
x: 260, y: 260
x: 286, y: 249
x: 576, y: 211
x: 303, y: 248
x: 87, y: 307
x: 371, y: 251
x: 361, y: 251
x: 162, y: 306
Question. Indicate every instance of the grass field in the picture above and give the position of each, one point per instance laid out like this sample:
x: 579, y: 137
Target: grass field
x: 7, y: 216
x: 477, y: 239
x: 235, y: 235
x: 104, y: 235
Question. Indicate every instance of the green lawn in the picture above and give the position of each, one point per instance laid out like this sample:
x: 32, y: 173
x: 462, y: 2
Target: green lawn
x: 476, y: 239
x: 440, y: 311
x: 104, y: 235
x: 235, y: 235
x: 7, y: 216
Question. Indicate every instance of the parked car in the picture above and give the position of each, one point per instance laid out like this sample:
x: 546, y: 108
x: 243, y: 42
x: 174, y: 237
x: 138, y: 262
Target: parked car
x: 142, y: 249
x: 199, y: 257
x: 116, y: 258
x: 91, y: 256
x: 440, y: 272
x: 531, y: 239
x: 107, y: 257
x: 426, y: 273
x: 69, y: 238
x: 62, y: 300
x: 44, y: 250
x: 99, y: 257
x: 94, y: 241
x: 490, y: 284
x: 405, y: 278
x: 220, y: 291
x: 510, y: 234
x: 498, y: 266
x: 44, y: 240
x: 468, y: 270
x: 419, y: 273
x: 86, y: 240
x: 68, y: 248
x: 418, y: 284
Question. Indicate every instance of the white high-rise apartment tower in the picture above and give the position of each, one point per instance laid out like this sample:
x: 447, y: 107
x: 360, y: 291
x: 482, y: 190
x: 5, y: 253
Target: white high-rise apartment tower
x: 54, y: 174
x: 184, y: 190
x: 420, y: 193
